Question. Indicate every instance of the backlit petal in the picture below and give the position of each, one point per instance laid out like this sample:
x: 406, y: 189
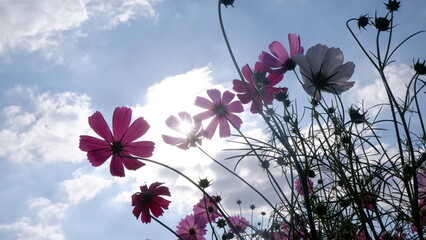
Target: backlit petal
x: 236, y: 107
x: 97, y: 158
x: 138, y: 128
x: 140, y: 149
x: 116, y: 167
x: 211, y: 128
x: 279, y: 51
x: 227, y: 97
x: 89, y: 143
x: 121, y: 121
x: 203, y: 103
x: 214, y: 95
x: 224, y: 129
x: 98, y: 124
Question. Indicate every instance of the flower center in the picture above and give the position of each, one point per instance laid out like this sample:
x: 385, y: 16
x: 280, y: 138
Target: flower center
x: 116, y: 147
x: 192, y: 231
x: 319, y: 81
x: 220, y: 110
x: 290, y: 64
x: 260, y: 81
x: 147, y: 197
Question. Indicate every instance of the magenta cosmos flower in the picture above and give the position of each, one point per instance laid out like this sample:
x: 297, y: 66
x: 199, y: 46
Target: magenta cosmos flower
x: 238, y: 224
x: 149, y: 200
x: 280, y: 61
x: 206, y: 210
x: 191, y: 228
x: 259, y: 88
x: 185, y: 125
x: 222, y: 110
x: 421, y: 183
x: 299, y: 189
x: 119, y: 142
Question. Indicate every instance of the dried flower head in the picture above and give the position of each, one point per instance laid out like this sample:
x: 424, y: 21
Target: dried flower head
x: 381, y: 23
x: 393, y: 5
x: 227, y: 2
x: 363, y: 21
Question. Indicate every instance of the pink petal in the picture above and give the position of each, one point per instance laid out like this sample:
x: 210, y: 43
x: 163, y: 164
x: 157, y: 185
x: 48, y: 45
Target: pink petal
x: 224, y: 129
x: 269, y: 60
x: 98, y: 124
x: 235, y: 120
x: 141, y: 149
x: 275, y: 78
x: 89, y: 143
x: 156, y: 210
x: 185, y: 117
x: 173, y: 140
x: 137, y: 211
x: 121, y: 121
x: 235, y: 106
x: 146, y: 218
x: 238, y: 86
x: 132, y: 164
x: 116, y: 167
x: 294, y: 42
x: 97, y: 158
x: 173, y: 123
x: 204, y: 115
x: 248, y: 73
x: 227, y: 97
x: 244, y: 98
x: 211, y: 128
x: 214, y: 95
x: 138, y: 128
x: 253, y: 108
x: 203, y: 103
x: 279, y: 51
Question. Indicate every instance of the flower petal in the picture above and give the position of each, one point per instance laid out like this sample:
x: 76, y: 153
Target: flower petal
x: 204, y: 115
x: 121, y: 121
x: 173, y: 140
x: 235, y: 120
x: 138, y: 128
x: 224, y: 129
x: 211, y: 128
x: 97, y: 158
x: 236, y: 107
x: 315, y: 56
x: 203, y: 102
x: 214, y: 95
x: 140, y: 149
x: 89, y: 143
x: 116, y: 167
x: 248, y: 74
x: 227, y: 97
x: 132, y: 163
x: 279, y: 51
x: 332, y: 59
x: 294, y: 42
x: 98, y: 124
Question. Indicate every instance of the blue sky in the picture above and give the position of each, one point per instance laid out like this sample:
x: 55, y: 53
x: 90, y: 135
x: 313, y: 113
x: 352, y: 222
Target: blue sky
x: 62, y: 60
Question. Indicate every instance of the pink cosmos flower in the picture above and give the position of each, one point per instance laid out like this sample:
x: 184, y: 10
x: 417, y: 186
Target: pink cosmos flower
x: 206, y: 210
x: 368, y: 200
x: 118, y: 142
x: 281, y: 62
x: 191, y: 228
x: 238, y: 224
x: 298, y: 186
x: 260, y: 87
x: 421, y: 183
x: 222, y: 110
x: 185, y: 125
x: 149, y: 200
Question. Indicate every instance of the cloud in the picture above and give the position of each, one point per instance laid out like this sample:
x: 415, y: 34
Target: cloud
x: 83, y: 187
x: 25, y: 229
x: 43, y: 127
x: 43, y: 24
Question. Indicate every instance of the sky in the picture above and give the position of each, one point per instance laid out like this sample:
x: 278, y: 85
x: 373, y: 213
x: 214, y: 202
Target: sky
x: 60, y: 61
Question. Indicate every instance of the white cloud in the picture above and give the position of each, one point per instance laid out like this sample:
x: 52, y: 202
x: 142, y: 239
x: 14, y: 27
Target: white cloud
x: 25, y: 229
x: 43, y: 24
x: 44, y: 127
x: 83, y: 187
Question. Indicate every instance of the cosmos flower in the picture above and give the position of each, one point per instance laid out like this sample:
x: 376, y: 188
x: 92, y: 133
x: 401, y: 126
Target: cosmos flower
x: 222, y: 110
x: 260, y: 86
x: 281, y: 61
x: 191, y: 228
x: 421, y: 183
x: 238, y: 224
x: 206, y: 210
x: 118, y: 142
x: 323, y: 70
x: 185, y: 125
x: 149, y: 200
x: 298, y: 186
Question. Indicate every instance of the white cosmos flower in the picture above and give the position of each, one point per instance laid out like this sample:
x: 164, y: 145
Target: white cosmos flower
x: 323, y: 70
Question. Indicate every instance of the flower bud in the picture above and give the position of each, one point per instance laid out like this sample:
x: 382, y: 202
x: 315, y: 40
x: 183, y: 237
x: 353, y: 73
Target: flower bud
x: 356, y: 116
x: 382, y: 23
x: 393, y: 5
x: 363, y: 21
x: 227, y: 2
x: 204, y: 183
x: 420, y: 68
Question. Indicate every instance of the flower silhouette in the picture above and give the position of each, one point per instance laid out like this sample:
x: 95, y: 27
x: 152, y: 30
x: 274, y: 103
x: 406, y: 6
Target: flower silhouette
x: 119, y: 143
x: 149, y: 200
x: 323, y: 70
x: 193, y: 134
x: 222, y: 110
